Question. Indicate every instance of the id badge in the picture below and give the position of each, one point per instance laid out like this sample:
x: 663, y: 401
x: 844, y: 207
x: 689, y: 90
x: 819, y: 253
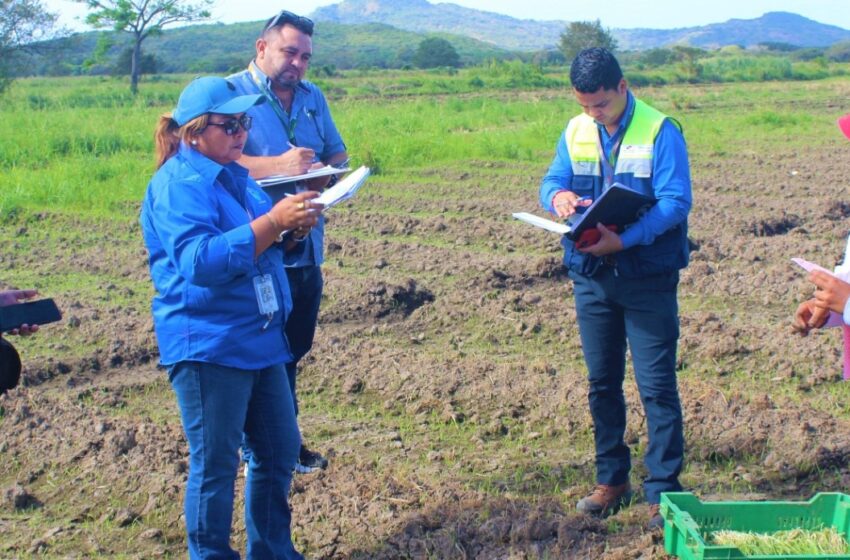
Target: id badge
x: 266, y: 297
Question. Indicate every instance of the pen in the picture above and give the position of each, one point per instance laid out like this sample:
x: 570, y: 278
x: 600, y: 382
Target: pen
x: 582, y: 199
x: 309, y: 208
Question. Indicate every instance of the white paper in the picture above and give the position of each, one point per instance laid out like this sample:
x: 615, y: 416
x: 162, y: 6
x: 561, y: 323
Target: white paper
x: 548, y: 225
x: 810, y: 266
x: 313, y: 173
x: 344, y: 189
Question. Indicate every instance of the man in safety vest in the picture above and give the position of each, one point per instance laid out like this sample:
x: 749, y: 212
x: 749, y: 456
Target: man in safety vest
x: 625, y: 283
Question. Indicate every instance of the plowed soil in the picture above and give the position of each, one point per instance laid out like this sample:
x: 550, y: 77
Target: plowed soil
x: 446, y: 383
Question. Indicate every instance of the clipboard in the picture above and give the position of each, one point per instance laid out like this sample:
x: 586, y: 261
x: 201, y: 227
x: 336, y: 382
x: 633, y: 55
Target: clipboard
x: 618, y: 206
x: 279, y: 186
x: 273, y: 180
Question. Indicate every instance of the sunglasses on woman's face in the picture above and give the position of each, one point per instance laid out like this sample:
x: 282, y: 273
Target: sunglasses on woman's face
x: 231, y: 126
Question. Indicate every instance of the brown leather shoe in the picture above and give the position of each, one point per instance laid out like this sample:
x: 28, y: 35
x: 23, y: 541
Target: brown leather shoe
x: 656, y: 521
x: 605, y: 500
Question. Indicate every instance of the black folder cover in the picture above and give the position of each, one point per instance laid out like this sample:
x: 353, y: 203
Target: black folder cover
x: 619, y: 206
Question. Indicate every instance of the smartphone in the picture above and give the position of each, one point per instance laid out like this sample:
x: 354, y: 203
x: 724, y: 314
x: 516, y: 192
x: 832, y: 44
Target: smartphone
x: 36, y: 312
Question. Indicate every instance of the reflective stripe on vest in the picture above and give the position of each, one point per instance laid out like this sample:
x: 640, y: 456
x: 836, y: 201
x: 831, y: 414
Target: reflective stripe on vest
x: 635, y: 156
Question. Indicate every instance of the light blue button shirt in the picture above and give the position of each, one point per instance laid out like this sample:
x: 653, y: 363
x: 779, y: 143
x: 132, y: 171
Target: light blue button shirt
x: 308, y: 125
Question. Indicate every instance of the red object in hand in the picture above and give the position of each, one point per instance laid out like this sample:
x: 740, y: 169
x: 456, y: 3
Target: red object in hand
x: 591, y: 236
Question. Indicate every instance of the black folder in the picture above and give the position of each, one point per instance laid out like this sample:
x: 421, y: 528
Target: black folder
x: 618, y: 206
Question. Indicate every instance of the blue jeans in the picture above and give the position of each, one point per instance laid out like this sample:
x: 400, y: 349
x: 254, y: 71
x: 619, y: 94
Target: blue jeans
x: 305, y: 284
x: 643, y: 312
x: 217, y: 404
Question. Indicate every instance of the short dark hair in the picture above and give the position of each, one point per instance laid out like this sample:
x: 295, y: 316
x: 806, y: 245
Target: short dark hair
x: 595, y: 68
x: 285, y: 17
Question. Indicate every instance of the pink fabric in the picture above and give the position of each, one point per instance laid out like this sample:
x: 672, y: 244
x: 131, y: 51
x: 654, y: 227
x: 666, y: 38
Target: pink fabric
x: 846, y: 330
x: 844, y: 125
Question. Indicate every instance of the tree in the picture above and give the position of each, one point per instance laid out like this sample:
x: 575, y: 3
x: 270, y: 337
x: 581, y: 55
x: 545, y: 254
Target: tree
x: 124, y: 65
x: 688, y: 58
x: 657, y: 57
x: 434, y: 52
x: 839, y: 52
x: 141, y: 19
x: 22, y: 23
x: 549, y: 57
x: 584, y: 34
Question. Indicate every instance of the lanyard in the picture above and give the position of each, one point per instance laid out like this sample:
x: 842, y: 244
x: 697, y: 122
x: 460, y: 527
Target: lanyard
x: 288, y: 123
x: 609, y: 164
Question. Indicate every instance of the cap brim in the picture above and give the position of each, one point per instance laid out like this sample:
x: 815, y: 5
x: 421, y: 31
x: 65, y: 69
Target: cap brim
x: 238, y: 104
x: 844, y: 125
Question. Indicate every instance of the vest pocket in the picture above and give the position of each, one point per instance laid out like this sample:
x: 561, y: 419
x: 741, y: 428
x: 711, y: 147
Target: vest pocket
x: 583, y: 186
x: 666, y: 254
x: 576, y: 261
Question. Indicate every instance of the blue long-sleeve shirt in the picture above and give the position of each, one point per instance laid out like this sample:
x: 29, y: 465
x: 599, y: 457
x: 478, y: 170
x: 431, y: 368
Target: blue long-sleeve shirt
x: 196, y: 225
x: 309, y: 124
x: 671, y: 179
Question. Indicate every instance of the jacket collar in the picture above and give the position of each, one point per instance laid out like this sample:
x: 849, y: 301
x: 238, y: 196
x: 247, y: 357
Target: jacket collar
x: 209, y: 169
x: 628, y: 113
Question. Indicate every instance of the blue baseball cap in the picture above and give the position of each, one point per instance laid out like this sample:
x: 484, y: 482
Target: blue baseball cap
x: 211, y: 94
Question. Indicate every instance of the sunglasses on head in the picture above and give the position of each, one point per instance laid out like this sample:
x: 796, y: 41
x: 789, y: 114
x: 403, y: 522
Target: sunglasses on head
x: 285, y: 16
x: 231, y: 126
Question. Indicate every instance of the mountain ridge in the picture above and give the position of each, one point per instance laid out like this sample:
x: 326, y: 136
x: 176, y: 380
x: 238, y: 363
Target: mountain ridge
x: 511, y: 33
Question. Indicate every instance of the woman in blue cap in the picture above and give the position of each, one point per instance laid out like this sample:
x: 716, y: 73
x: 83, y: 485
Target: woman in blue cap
x: 222, y: 297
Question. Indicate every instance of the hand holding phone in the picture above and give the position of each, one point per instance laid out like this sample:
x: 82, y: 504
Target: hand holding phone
x: 36, y: 312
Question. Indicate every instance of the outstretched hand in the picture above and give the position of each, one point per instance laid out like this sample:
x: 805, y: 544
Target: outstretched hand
x: 809, y: 316
x: 832, y: 293
x: 11, y: 297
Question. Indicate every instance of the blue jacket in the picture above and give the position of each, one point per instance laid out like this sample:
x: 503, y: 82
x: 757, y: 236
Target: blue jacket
x: 657, y: 242
x: 195, y: 221
x: 309, y: 125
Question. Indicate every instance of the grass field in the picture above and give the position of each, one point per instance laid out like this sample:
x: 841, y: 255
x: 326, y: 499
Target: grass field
x: 457, y: 428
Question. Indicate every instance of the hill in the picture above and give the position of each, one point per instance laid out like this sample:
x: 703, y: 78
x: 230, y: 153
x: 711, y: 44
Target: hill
x: 527, y: 34
x: 221, y: 48
x: 778, y: 27
x: 385, y: 34
x: 423, y: 17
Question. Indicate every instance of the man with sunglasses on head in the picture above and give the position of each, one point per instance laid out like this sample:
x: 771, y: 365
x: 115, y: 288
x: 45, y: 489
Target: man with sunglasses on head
x: 292, y: 133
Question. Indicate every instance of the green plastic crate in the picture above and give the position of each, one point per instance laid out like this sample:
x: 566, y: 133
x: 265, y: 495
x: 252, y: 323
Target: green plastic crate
x: 689, y: 522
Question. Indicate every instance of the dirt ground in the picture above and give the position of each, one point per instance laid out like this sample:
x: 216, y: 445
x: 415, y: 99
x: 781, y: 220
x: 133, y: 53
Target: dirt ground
x: 446, y: 383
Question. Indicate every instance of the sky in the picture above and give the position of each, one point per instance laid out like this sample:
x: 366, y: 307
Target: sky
x: 656, y: 14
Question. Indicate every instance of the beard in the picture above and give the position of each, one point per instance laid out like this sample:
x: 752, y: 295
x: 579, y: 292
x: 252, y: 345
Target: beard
x: 284, y: 82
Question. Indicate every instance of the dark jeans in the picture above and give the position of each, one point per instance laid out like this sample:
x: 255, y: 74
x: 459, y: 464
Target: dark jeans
x: 643, y: 312
x: 217, y: 405
x: 305, y: 284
